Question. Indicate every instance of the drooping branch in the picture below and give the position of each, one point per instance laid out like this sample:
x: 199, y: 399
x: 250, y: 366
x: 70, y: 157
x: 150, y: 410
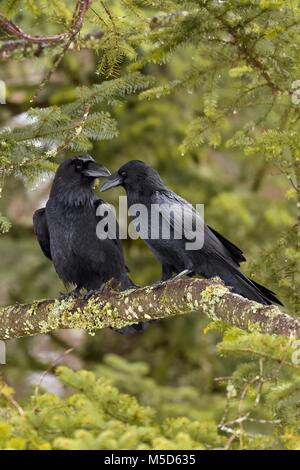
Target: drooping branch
x: 25, y: 39
x: 118, y: 309
x: 37, y: 44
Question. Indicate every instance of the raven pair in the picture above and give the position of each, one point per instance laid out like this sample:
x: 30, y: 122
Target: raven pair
x: 66, y: 231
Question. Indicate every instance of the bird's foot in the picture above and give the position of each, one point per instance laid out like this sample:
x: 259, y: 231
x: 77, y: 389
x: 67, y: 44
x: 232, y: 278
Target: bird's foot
x: 73, y: 294
x: 159, y: 284
x: 185, y: 272
x: 92, y: 292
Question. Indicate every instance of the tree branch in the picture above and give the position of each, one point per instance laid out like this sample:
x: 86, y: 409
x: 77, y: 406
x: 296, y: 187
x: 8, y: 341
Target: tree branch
x: 7, y: 48
x: 118, y: 309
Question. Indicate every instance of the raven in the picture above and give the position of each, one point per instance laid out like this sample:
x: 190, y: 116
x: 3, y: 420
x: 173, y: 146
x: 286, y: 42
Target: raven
x: 66, y: 231
x: 217, y: 257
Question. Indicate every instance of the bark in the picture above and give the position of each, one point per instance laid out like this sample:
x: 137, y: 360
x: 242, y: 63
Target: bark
x: 118, y: 309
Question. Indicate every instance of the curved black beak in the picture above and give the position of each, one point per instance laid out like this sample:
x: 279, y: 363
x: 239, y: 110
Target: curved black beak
x: 113, y: 180
x: 95, y: 171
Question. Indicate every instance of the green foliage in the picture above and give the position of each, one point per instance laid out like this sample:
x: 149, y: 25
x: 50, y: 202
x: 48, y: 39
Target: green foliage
x: 71, y: 126
x: 98, y: 416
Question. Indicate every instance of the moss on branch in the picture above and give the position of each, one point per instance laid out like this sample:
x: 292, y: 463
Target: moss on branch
x: 118, y: 309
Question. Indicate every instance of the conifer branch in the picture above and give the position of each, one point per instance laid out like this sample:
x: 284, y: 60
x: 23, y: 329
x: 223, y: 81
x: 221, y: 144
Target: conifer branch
x: 245, y: 51
x: 119, y: 309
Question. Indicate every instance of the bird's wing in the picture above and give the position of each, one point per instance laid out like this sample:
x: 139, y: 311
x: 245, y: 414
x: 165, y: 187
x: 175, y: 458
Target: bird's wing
x: 218, y: 256
x: 112, y: 235
x: 174, y: 210
x: 41, y: 231
x: 214, y: 243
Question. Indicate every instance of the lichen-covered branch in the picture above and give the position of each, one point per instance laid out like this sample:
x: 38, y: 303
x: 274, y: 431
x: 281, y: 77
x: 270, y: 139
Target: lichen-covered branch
x: 118, y: 309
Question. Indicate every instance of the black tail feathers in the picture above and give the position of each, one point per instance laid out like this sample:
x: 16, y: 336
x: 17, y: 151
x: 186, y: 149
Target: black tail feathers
x: 254, y: 291
x: 240, y: 283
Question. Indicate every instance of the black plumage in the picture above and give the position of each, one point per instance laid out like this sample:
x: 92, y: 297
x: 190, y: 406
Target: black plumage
x: 217, y: 257
x: 66, y: 231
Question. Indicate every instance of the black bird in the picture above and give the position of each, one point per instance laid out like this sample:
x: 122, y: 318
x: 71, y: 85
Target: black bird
x: 217, y: 257
x: 66, y: 231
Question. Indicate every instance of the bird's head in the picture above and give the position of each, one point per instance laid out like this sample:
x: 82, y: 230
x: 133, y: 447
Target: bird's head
x: 81, y: 169
x: 75, y: 177
x: 134, y: 176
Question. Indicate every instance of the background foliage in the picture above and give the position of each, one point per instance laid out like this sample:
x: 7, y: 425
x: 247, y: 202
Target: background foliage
x: 207, y: 92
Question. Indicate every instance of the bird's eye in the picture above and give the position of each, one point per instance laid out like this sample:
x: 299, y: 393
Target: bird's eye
x: 123, y: 174
x: 78, y: 165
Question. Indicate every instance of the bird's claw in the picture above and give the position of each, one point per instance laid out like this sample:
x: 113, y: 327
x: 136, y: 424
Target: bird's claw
x: 92, y: 292
x: 69, y: 295
x: 159, y: 284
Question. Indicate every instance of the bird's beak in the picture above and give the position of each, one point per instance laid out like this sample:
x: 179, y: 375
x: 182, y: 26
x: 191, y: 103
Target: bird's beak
x: 95, y: 171
x: 113, y: 180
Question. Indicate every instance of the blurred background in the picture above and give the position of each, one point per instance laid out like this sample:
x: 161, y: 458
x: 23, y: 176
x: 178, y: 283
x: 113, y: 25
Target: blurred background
x: 174, y: 365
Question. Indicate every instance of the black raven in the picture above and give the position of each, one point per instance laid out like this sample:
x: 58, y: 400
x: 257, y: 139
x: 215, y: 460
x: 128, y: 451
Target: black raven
x: 66, y: 231
x: 217, y: 256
